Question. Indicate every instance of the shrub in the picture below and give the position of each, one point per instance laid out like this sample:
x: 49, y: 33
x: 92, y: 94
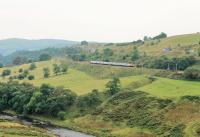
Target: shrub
x: 192, y: 73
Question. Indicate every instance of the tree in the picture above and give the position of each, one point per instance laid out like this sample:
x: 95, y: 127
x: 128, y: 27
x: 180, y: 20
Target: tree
x: 21, y: 76
x: 6, y: 72
x: 90, y: 100
x: 44, y: 57
x: 135, y: 54
x: 46, y: 72
x: 19, y: 60
x: 107, y: 53
x: 31, y: 77
x: 32, y: 66
x: 56, y: 69
x: 146, y: 38
x: 113, y: 86
x: 160, y: 36
x: 138, y: 42
x: 84, y: 42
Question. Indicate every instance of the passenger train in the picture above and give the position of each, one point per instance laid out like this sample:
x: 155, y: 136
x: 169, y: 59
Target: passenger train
x: 112, y: 63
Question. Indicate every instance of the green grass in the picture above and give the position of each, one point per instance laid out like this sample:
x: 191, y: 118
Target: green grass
x: 179, y: 44
x: 168, y: 88
x: 84, y: 78
x: 77, y: 81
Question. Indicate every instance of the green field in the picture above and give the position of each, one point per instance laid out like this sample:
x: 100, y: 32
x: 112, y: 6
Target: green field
x: 76, y: 80
x: 168, y: 88
x: 84, y: 80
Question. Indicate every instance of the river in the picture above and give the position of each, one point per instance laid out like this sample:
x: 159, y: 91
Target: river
x: 60, y: 132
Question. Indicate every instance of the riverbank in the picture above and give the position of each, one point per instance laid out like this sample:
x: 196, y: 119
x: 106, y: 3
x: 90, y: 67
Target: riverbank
x: 51, y: 127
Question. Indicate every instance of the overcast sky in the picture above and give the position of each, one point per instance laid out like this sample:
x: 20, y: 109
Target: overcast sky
x: 97, y: 20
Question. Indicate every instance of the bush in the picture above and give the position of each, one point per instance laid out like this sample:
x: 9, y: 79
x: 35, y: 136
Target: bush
x: 192, y: 73
x: 61, y: 115
x: 31, y: 77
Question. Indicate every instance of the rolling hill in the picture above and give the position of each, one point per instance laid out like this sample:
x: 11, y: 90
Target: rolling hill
x: 8, y: 46
x: 81, y: 77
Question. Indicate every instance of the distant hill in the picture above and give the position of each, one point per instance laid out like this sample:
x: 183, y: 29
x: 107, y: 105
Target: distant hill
x: 8, y: 46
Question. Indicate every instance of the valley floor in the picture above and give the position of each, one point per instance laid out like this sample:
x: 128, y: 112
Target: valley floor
x: 143, y: 108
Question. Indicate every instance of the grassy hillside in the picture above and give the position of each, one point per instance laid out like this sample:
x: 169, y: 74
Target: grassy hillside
x: 180, y: 45
x: 168, y: 88
x: 143, y: 108
x: 76, y: 80
x: 136, y: 114
x: 82, y: 78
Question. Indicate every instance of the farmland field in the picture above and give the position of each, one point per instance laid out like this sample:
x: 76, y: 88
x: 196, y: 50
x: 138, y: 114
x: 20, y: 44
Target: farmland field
x: 85, y: 78
x: 168, y: 88
x: 76, y: 80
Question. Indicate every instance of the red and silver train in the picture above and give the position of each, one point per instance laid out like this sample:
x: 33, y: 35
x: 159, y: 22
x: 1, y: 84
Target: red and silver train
x: 112, y: 63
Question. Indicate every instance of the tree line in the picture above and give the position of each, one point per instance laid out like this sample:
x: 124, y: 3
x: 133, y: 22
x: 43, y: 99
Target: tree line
x: 26, y: 99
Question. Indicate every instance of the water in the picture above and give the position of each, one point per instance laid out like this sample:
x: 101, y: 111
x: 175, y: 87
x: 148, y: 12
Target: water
x: 60, y: 132
x: 67, y: 133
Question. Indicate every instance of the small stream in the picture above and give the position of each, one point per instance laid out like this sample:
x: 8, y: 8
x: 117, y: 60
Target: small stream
x: 60, y: 132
